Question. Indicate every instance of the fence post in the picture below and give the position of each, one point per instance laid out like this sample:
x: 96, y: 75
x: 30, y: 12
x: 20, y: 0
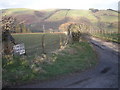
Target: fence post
x: 43, y: 44
x: 60, y: 41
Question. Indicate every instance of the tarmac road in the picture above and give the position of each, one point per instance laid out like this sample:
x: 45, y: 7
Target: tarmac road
x: 104, y: 75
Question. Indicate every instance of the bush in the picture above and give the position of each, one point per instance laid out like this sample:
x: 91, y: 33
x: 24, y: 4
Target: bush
x: 16, y: 69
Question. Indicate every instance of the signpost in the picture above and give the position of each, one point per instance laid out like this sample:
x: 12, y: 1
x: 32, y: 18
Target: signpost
x: 19, y: 49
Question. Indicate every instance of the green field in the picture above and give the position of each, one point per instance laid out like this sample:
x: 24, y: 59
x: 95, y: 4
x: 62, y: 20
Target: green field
x: 33, y: 42
x: 74, y: 14
x: 37, y: 66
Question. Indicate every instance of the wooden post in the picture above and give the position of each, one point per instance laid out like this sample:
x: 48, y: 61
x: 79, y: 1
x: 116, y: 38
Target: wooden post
x: 43, y: 28
x: 60, y: 41
x: 43, y: 44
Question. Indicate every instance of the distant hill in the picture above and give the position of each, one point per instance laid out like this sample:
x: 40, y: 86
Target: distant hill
x: 53, y: 18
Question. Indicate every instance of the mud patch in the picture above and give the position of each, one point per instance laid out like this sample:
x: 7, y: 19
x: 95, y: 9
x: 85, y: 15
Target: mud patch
x: 80, y: 81
x: 105, y: 70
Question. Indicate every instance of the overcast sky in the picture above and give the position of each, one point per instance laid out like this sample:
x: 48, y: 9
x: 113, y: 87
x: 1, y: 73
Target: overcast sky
x: 64, y: 4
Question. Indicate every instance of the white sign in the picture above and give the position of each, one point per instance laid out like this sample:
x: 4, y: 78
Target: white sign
x: 19, y: 49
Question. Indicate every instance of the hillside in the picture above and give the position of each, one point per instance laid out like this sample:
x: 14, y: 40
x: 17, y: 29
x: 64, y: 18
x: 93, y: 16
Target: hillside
x: 53, y: 18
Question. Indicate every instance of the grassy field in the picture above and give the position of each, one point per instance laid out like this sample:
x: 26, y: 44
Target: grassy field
x: 72, y: 14
x: 36, y: 66
x: 33, y: 42
x: 114, y: 37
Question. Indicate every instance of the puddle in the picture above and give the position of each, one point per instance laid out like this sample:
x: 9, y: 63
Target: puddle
x: 105, y: 70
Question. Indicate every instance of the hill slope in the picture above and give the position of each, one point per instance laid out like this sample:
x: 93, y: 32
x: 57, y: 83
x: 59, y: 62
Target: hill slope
x: 53, y: 18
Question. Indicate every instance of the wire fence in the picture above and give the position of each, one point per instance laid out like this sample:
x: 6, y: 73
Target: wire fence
x: 104, y: 34
x: 34, y: 43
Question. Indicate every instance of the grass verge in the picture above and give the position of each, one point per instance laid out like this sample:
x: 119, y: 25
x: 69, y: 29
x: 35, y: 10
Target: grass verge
x: 75, y: 57
x: 109, y: 37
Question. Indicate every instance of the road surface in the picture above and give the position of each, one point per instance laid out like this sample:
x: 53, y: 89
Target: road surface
x: 104, y: 75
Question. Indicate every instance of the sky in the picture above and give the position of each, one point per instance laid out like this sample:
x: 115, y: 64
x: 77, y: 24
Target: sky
x: 59, y: 4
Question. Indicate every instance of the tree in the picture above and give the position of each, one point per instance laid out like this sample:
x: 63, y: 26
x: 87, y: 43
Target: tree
x: 23, y: 28
x: 73, y: 30
x: 8, y: 25
x: 18, y: 29
x: 64, y: 27
x: 94, y: 10
x: 73, y: 33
